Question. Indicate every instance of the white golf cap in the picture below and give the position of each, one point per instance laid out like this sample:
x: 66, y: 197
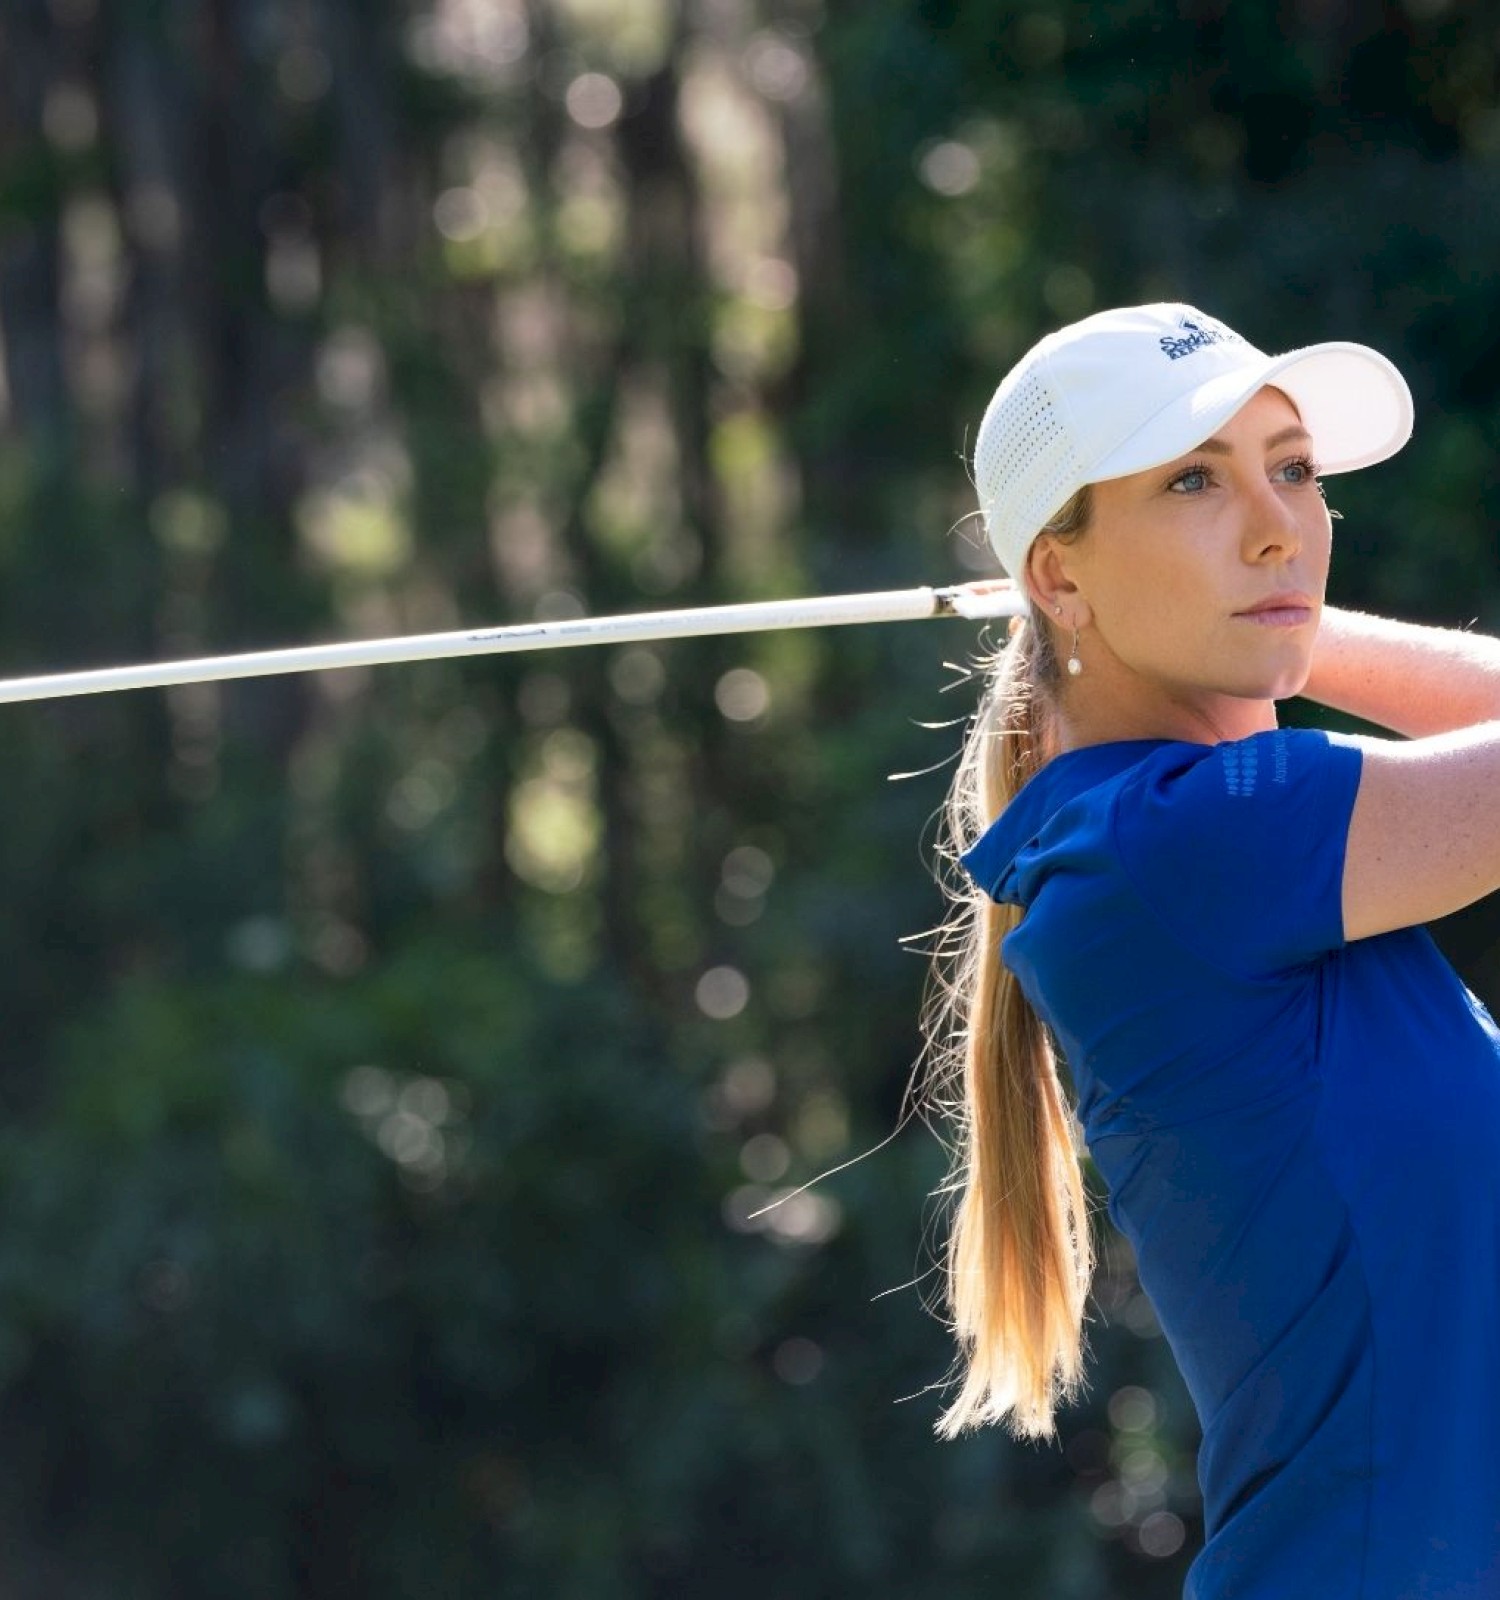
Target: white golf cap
x: 1136, y: 387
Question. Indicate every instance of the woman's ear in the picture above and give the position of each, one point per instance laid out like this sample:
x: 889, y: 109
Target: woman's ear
x: 1050, y: 584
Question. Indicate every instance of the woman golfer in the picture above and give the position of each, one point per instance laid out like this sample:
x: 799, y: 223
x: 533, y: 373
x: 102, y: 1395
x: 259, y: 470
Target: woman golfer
x: 1291, y: 1097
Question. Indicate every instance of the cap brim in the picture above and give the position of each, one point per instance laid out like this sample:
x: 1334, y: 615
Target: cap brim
x: 1353, y: 402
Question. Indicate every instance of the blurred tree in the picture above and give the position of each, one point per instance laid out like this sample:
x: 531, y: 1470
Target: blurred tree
x: 411, y: 1077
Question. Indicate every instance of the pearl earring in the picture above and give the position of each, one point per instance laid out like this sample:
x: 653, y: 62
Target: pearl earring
x: 1075, y: 666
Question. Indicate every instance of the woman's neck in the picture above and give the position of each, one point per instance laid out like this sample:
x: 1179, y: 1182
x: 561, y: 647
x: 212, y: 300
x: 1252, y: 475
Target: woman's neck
x: 1105, y: 711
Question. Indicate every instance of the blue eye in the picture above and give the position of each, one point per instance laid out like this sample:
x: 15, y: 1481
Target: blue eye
x: 1301, y: 471
x: 1190, y: 481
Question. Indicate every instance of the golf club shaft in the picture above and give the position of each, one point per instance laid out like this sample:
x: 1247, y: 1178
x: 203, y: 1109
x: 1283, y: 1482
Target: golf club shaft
x: 974, y: 601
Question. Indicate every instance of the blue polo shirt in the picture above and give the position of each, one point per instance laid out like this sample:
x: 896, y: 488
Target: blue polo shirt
x: 1300, y: 1138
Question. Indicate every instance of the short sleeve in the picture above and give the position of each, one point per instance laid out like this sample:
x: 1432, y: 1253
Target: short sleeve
x: 1241, y: 852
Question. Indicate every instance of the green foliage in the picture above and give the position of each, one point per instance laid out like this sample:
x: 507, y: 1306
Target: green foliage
x: 409, y: 1075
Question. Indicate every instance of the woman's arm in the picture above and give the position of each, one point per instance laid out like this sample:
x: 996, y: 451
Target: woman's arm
x: 1412, y: 679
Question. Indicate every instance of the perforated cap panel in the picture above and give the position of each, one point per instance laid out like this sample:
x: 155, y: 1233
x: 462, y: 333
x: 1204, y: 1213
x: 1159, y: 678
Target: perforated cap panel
x: 1025, y: 467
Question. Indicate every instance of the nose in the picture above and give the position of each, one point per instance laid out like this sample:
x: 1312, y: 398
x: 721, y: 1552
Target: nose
x: 1271, y: 528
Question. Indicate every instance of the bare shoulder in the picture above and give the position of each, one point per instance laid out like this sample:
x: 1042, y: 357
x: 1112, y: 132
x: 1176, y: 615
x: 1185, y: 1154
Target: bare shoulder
x: 1424, y: 836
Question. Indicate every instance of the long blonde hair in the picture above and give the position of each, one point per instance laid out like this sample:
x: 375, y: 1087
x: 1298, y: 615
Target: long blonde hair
x: 1020, y: 1256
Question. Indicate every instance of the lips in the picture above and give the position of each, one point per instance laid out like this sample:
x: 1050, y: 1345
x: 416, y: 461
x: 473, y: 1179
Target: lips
x: 1286, y: 600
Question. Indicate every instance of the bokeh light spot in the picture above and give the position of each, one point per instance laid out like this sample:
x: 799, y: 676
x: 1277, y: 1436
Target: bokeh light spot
x: 949, y: 168
x: 594, y: 100
x: 765, y: 1158
x: 742, y: 695
x: 722, y: 993
x: 777, y: 68
x: 1139, y: 1316
x: 460, y: 214
x: 1112, y: 1504
x: 1162, y: 1534
x: 1132, y: 1409
x: 747, y: 871
x: 748, y: 1085
x: 369, y: 1091
x: 637, y: 676
x: 797, y: 1361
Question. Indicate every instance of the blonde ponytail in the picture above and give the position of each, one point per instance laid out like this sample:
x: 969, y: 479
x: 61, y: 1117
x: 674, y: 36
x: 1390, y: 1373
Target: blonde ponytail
x: 1020, y: 1255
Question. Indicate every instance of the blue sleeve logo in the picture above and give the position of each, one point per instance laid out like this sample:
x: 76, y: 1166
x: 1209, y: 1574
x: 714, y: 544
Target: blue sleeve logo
x: 1239, y: 760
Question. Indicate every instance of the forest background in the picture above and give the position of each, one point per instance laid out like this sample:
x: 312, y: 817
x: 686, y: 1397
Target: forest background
x: 395, y: 1063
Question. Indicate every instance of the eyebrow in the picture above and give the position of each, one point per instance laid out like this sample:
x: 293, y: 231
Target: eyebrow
x: 1219, y: 447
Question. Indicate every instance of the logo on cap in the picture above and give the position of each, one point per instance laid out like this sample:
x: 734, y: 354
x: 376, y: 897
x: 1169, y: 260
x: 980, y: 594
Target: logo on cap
x: 1197, y: 337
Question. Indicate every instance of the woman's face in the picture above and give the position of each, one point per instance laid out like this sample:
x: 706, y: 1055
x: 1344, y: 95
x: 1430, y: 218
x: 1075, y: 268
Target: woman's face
x: 1177, y: 555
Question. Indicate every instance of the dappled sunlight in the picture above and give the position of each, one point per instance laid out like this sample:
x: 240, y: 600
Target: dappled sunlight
x: 722, y: 992
x: 789, y: 1217
x: 457, y: 1119
x: 483, y: 42
x: 418, y: 1122
x: 555, y: 826
x: 357, y: 529
x: 743, y: 695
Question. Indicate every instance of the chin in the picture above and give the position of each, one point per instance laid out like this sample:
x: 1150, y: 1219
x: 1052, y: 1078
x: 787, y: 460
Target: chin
x: 1285, y: 682
x: 1294, y: 682
x: 1284, y: 686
